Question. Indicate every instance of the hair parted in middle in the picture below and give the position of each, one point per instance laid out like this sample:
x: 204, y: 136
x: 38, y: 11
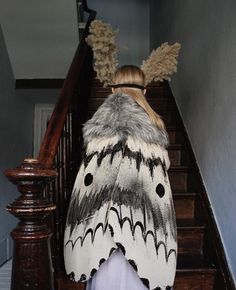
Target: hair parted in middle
x: 133, y: 75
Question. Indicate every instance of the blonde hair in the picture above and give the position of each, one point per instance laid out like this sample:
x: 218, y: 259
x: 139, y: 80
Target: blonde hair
x: 130, y: 74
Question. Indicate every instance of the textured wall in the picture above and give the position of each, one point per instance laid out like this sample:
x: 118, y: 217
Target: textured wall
x: 205, y: 87
x: 41, y: 36
x: 131, y: 17
x: 16, y: 130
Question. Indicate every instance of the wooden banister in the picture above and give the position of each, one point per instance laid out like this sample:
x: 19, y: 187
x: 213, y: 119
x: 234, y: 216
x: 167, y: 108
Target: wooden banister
x: 45, y: 183
x: 32, y: 262
x: 86, y: 9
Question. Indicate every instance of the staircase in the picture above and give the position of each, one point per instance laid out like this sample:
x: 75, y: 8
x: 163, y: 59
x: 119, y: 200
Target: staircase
x: 196, y: 264
x: 195, y: 268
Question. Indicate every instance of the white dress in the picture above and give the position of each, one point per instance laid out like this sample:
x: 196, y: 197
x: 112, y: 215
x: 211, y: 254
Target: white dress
x: 116, y: 274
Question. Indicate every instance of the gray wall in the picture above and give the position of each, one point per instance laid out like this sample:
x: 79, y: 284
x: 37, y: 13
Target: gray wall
x: 16, y: 128
x: 41, y: 36
x: 205, y: 88
x: 131, y: 17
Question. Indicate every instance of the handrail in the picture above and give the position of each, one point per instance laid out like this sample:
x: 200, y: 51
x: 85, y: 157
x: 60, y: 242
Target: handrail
x: 51, y: 138
x: 86, y: 9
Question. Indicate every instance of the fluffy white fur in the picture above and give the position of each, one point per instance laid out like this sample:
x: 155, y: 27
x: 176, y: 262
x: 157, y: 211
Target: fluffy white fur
x: 121, y: 114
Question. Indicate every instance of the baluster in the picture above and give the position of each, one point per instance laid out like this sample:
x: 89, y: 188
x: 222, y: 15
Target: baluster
x: 57, y: 215
x: 32, y: 265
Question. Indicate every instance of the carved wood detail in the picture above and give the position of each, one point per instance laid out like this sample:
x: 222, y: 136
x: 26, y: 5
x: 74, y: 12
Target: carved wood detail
x: 32, y: 266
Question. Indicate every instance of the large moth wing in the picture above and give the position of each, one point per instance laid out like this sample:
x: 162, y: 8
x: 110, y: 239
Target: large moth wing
x: 122, y: 199
x: 87, y: 239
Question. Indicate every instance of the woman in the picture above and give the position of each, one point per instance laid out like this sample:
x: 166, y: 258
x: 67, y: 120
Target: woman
x: 121, y: 218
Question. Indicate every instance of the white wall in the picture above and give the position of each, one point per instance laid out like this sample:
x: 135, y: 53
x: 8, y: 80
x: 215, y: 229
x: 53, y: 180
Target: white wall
x: 16, y: 136
x: 41, y: 36
x: 131, y: 17
x: 205, y: 89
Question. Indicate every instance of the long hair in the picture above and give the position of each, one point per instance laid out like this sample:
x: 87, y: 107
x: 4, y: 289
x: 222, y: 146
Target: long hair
x: 130, y: 74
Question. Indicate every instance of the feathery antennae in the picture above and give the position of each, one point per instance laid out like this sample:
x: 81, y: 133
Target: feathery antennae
x: 102, y: 39
x: 161, y: 63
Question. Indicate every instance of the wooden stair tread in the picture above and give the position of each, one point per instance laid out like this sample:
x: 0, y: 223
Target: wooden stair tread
x: 185, y: 207
x: 190, y: 224
x: 176, y: 146
x: 173, y: 128
x: 187, y: 194
x: 179, y: 168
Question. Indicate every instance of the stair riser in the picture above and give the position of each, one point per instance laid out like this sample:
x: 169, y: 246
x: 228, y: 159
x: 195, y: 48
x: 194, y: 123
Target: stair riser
x: 100, y: 93
x: 175, y: 157
x: 169, y: 118
x: 194, y: 281
x: 175, y: 136
x: 183, y: 180
x: 190, y: 241
x: 178, y: 181
x: 184, y: 208
x: 158, y: 92
x: 161, y: 104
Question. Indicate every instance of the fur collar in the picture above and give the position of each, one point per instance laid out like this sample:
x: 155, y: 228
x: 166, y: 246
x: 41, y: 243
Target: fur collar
x: 120, y: 114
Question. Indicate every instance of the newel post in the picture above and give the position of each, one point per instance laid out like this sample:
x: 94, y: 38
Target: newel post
x: 32, y: 264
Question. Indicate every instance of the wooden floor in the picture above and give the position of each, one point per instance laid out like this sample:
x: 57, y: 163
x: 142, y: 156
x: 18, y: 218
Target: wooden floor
x: 5, y: 276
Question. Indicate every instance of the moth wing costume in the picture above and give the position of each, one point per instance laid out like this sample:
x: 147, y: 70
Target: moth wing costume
x: 122, y: 197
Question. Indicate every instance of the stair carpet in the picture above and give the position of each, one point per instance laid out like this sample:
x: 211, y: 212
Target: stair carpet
x: 195, y: 270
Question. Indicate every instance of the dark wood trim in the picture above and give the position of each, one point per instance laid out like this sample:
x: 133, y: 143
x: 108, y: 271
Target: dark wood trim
x: 32, y: 252
x: 39, y: 83
x: 214, y: 232
x: 86, y: 8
